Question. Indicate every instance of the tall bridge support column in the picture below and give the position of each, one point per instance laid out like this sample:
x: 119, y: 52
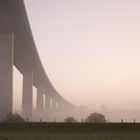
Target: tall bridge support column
x: 47, y: 103
x: 27, y: 97
x: 53, y: 104
x: 40, y: 103
x: 59, y: 106
x: 53, y: 109
x: 47, y: 107
x: 6, y: 73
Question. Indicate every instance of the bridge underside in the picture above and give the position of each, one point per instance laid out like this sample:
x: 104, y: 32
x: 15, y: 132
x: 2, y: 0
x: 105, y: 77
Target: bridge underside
x: 17, y: 48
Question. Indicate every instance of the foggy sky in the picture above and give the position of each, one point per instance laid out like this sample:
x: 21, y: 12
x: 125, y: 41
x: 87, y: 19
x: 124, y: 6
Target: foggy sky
x: 90, y: 49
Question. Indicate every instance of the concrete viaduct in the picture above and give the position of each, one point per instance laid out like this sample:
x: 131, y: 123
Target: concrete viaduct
x: 17, y: 48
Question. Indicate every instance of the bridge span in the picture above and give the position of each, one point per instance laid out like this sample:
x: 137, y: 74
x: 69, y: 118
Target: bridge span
x: 17, y: 48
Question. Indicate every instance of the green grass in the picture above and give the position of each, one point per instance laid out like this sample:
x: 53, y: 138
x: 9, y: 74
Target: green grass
x: 62, y: 131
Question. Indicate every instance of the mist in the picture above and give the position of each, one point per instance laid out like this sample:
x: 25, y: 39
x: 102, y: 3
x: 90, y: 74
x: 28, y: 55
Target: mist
x: 90, y: 51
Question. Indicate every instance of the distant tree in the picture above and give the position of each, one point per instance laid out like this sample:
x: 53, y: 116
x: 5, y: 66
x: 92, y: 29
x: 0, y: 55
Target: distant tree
x: 70, y: 120
x: 13, y: 118
x: 96, y: 118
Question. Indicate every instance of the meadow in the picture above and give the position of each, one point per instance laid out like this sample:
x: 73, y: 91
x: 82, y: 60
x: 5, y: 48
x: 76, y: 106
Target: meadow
x: 67, y: 131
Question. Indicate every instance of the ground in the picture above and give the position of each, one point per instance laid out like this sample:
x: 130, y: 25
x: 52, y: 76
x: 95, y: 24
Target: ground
x: 63, y: 131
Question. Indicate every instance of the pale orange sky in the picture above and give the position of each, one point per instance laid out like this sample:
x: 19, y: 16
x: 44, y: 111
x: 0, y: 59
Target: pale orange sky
x: 90, y: 49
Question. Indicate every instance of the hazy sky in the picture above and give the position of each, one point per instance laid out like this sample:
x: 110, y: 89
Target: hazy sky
x: 90, y: 49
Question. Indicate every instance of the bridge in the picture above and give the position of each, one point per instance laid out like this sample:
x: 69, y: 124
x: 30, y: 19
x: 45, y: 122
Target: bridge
x: 17, y: 48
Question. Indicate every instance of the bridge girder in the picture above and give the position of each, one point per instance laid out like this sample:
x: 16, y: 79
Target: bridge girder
x: 14, y: 20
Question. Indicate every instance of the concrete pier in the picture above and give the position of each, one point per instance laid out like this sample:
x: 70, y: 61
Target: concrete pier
x: 40, y: 103
x: 27, y: 97
x: 53, y: 104
x: 6, y: 73
x: 47, y: 103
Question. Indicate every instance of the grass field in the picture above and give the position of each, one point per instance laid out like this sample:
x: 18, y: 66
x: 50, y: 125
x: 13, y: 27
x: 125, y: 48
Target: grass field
x: 62, y: 131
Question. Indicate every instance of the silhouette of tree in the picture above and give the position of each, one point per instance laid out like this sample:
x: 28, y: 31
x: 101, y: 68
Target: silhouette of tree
x: 13, y: 118
x: 70, y: 120
x: 96, y: 118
